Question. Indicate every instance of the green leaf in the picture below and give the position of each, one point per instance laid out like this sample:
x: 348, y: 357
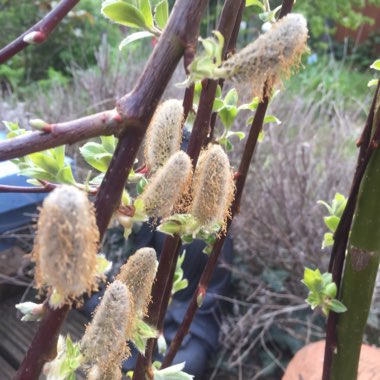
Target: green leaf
x: 239, y: 134
x: 65, y: 175
x: 161, y: 13
x: 376, y: 65
x: 59, y: 154
x: 231, y: 98
x: 146, y: 10
x: 373, y: 82
x: 218, y: 105
x: 258, y: 3
x: 109, y: 142
x: 330, y: 290
x: 328, y: 240
x: 134, y: 37
x: 260, y: 138
x: 337, y: 306
x: 38, y: 173
x: 141, y: 185
x: 228, y: 115
x: 123, y: 13
x: 272, y: 119
x: 45, y: 162
x: 331, y: 222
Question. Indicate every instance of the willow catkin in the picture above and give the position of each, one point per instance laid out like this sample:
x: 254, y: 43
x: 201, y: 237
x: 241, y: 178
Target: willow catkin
x: 138, y: 274
x: 213, y: 187
x: 110, y: 373
x: 167, y: 185
x: 270, y: 55
x: 66, y: 243
x: 164, y: 134
x: 104, y: 342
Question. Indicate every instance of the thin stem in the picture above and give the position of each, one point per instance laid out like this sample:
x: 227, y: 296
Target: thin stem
x: 43, y: 27
x: 249, y: 149
x: 25, y: 189
x: 100, y: 124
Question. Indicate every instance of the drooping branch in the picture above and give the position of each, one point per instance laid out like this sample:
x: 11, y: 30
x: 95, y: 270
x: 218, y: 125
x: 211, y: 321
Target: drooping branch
x: 100, y: 124
x: 138, y: 106
x: 38, y: 33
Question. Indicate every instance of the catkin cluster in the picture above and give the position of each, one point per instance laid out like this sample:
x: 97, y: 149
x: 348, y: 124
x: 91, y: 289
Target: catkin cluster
x: 164, y: 134
x: 165, y: 188
x: 138, y: 274
x: 213, y: 187
x: 104, y: 342
x: 271, y: 55
x: 66, y: 244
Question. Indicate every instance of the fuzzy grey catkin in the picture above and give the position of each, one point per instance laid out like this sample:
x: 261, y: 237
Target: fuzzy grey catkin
x: 213, y: 187
x: 167, y: 185
x: 164, y: 134
x: 104, y: 342
x: 270, y: 55
x: 66, y: 243
x: 110, y: 373
x: 138, y: 274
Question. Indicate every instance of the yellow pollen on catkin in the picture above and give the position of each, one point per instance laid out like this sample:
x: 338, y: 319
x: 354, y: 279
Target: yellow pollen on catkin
x: 164, y: 134
x: 138, y: 274
x: 213, y: 187
x: 165, y: 188
x: 66, y: 244
x: 270, y: 55
x: 104, y: 342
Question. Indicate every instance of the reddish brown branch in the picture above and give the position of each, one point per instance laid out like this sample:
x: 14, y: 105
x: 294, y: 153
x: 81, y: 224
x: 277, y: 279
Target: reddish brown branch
x: 25, y: 189
x: 245, y: 162
x: 42, y: 30
x: 137, y: 107
x: 44, y: 345
x: 100, y: 124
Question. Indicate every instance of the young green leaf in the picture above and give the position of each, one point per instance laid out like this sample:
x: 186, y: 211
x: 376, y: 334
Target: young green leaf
x: 146, y: 10
x: 161, y: 13
x: 123, y: 13
x: 134, y: 37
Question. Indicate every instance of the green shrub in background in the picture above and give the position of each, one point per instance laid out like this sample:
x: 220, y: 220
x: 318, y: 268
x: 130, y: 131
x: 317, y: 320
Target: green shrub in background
x: 73, y: 42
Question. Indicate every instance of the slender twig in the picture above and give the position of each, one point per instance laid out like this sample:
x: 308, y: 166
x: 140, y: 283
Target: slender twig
x: 338, y: 252
x: 181, y: 31
x: 160, y: 292
x: 25, y: 189
x: 38, y: 33
x: 205, y: 279
x: 100, y: 124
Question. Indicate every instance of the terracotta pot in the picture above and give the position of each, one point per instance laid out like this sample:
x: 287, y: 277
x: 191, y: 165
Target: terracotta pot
x: 308, y: 362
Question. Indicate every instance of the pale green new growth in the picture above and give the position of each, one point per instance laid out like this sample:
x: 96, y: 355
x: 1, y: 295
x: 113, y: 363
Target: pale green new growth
x: 164, y: 190
x: 104, y: 342
x: 164, y: 134
x: 213, y: 187
x: 268, y: 57
x: 138, y: 274
x: 66, y: 244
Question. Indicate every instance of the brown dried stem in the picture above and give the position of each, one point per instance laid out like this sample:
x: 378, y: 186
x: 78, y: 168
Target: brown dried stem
x: 43, y: 29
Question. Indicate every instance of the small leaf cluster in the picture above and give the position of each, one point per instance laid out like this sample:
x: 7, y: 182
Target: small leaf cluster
x: 375, y: 66
x: 335, y: 210
x: 49, y: 165
x: 137, y: 14
x: 322, y: 291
